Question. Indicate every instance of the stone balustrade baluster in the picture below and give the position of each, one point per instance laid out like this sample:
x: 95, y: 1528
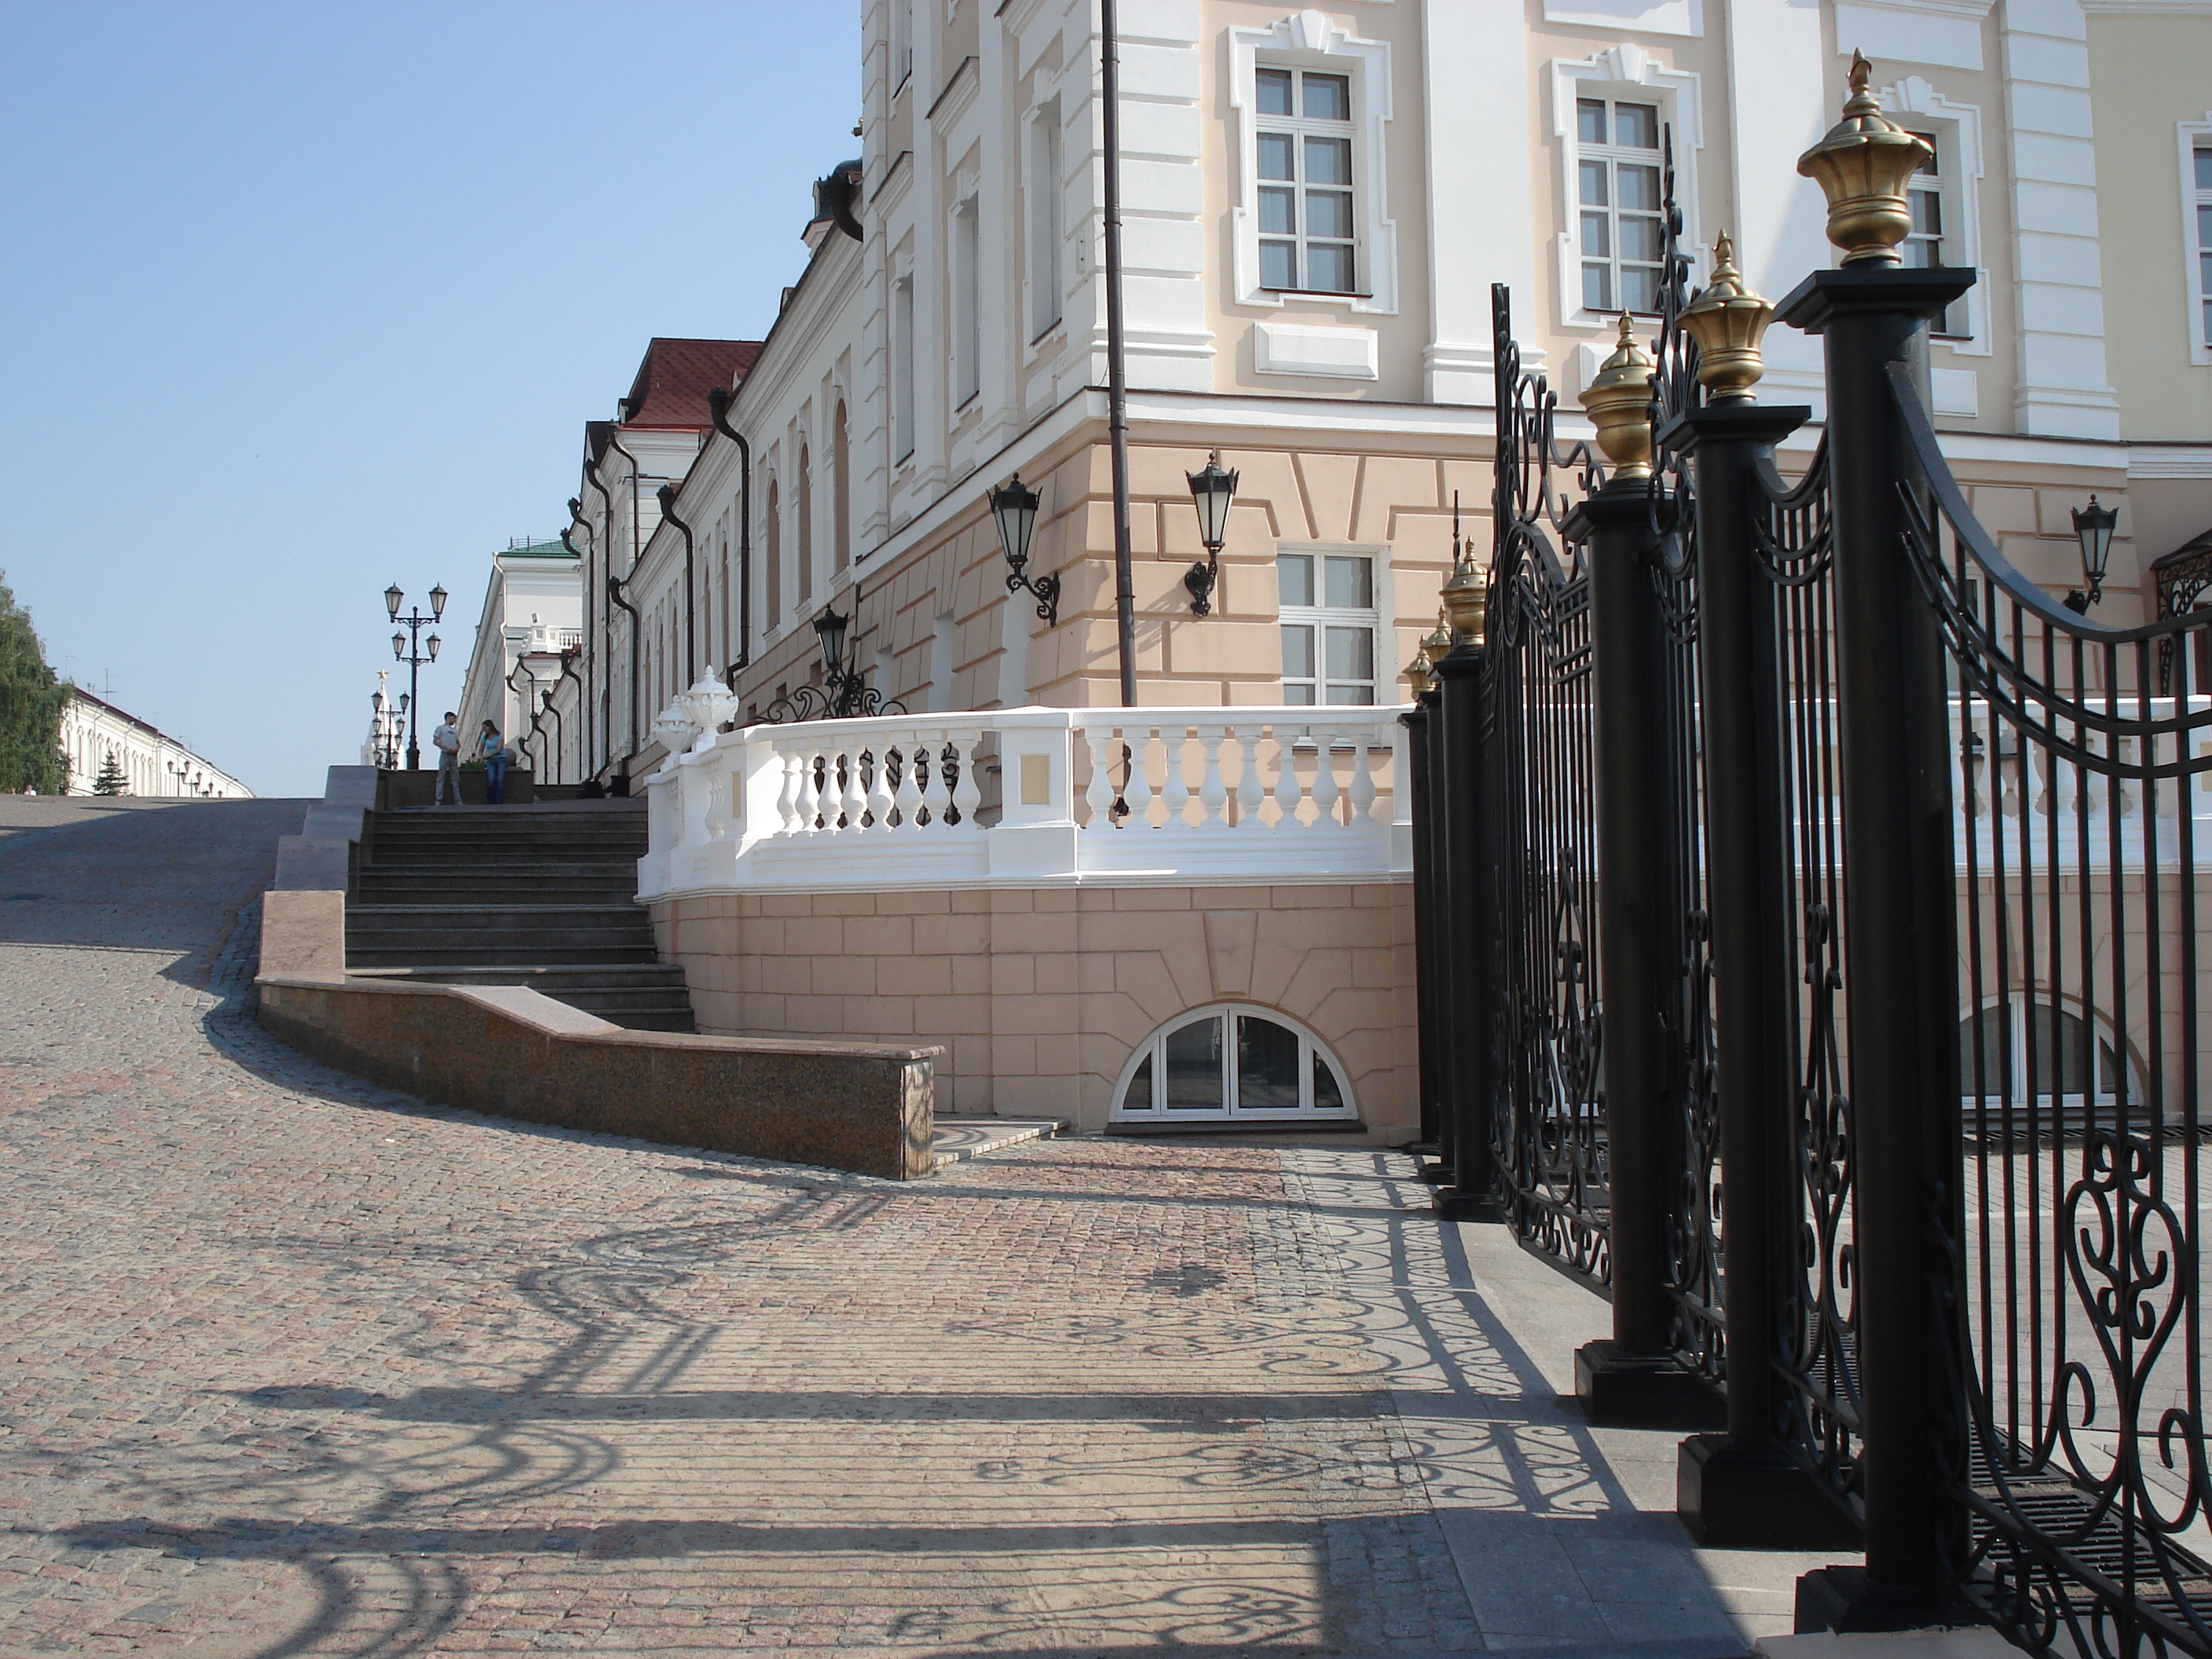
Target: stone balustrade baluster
x: 1363, y: 782
x: 1098, y: 794
x: 1137, y: 789
x: 854, y: 801
x: 1325, y: 794
x: 1175, y: 788
x: 967, y: 794
x: 906, y: 793
x: 1249, y: 791
x: 1213, y: 793
x: 879, y: 788
x: 1288, y: 792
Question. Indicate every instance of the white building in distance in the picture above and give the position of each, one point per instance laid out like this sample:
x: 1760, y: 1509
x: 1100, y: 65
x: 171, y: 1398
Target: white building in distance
x: 153, y: 763
x: 533, y: 623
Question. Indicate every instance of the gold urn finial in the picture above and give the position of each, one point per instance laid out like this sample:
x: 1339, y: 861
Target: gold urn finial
x: 1439, y: 642
x: 1417, y: 674
x: 1728, y: 321
x: 1861, y: 166
x: 1619, y: 402
x: 1466, y: 595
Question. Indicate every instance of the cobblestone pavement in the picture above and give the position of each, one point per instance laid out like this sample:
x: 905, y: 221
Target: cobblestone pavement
x: 293, y: 1365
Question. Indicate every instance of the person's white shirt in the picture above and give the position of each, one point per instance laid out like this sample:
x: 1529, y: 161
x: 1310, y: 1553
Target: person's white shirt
x: 447, y: 738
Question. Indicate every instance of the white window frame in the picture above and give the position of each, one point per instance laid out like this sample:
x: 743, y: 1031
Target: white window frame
x: 1321, y: 616
x: 1307, y: 40
x: 1625, y: 71
x: 905, y: 437
x: 2019, y: 1010
x: 967, y: 355
x: 1155, y: 1048
x: 1047, y: 296
x: 901, y: 44
x: 1956, y: 129
x: 2193, y: 136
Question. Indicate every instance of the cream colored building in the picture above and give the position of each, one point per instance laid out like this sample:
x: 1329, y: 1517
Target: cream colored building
x: 1316, y: 203
x: 153, y: 763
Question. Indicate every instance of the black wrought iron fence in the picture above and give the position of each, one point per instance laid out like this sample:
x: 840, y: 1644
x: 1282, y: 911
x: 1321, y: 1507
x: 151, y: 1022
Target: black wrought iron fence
x: 1546, y: 1122
x: 2081, y: 795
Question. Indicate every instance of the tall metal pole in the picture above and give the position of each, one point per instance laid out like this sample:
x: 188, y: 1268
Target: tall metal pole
x: 1117, y: 378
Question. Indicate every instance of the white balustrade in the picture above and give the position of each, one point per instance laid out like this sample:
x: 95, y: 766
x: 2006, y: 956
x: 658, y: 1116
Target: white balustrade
x: 1035, y: 795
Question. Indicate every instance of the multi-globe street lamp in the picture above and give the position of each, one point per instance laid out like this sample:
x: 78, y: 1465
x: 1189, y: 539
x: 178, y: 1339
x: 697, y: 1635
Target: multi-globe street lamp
x: 389, y: 713
x: 407, y: 647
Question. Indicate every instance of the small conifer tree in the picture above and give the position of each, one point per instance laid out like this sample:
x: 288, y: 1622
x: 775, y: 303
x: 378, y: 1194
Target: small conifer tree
x: 111, y: 780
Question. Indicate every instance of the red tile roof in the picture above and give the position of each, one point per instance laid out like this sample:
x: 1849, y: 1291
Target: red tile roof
x: 672, y: 382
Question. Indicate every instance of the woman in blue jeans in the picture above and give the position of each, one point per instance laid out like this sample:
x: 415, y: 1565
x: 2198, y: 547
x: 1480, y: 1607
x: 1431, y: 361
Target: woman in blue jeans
x: 491, y: 750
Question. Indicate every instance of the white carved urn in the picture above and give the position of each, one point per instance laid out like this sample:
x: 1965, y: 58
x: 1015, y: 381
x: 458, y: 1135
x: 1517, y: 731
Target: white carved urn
x: 675, y: 727
x: 709, y: 704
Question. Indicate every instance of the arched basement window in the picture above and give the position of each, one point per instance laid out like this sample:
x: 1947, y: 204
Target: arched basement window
x: 1229, y: 1062
x: 2020, y: 1053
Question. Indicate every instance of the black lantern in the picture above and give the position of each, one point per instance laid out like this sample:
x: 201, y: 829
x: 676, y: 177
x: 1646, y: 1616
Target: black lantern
x: 1014, y: 506
x: 1212, y: 491
x: 392, y: 599
x: 400, y: 646
x: 829, y: 629
x: 433, y: 647
x: 2092, y: 528
x: 437, y: 603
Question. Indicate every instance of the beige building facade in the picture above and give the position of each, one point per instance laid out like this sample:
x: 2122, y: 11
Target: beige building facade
x: 1316, y: 205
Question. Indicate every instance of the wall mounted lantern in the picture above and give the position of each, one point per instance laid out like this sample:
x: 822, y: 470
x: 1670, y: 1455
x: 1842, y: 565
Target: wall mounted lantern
x: 829, y: 627
x: 1212, y: 491
x: 2092, y: 528
x: 844, y: 692
x: 1014, y: 506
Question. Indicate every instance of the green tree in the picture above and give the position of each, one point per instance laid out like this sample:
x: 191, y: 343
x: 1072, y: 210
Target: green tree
x: 111, y: 780
x: 30, y: 706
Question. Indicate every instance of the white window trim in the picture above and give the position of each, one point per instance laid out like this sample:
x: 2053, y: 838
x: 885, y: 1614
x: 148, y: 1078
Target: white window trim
x: 1044, y: 277
x: 1154, y: 1046
x: 963, y: 363
x: 1957, y: 129
x: 1308, y: 41
x: 2189, y: 135
x: 1623, y: 72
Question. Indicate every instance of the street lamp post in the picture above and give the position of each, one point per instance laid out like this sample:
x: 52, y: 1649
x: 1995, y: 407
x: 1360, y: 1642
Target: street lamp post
x: 407, y: 648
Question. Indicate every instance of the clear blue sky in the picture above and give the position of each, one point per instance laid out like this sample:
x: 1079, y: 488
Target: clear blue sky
x: 301, y: 299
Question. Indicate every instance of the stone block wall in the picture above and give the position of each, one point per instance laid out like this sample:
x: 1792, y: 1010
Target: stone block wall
x: 1040, y: 995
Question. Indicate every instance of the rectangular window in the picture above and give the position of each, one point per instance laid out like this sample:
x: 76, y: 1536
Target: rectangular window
x: 967, y: 274
x: 1045, y: 230
x: 2203, y: 251
x: 1329, y: 626
x: 902, y: 367
x: 1307, y: 240
x: 1617, y: 186
x: 902, y: 42
x: 1924, y: 242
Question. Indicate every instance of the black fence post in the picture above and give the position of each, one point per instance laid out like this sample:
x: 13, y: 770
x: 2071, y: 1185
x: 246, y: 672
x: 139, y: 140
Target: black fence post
x: 1634, y: 1380
x: 1901, y: 948
x: 1468, y: 927
x: 1418, y: 807
x: 1741, y: 1489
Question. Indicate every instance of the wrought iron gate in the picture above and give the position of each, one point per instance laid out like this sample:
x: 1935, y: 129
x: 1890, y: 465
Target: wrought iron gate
x: 1928, y: 1141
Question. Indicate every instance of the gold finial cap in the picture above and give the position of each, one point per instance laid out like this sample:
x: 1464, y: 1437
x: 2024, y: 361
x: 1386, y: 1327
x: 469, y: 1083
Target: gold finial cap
x: 1619, y: 402
x: 1861, y: 166
x: 1417, y: 674
x: 1728, y: 321
x: 1466, y: 597
x: 1438, y: 643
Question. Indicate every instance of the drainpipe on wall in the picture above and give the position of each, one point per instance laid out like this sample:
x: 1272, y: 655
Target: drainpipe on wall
x: 667, y: 499
x: 1117, y: 378
x: 717, y: 400
x: 615, y: 589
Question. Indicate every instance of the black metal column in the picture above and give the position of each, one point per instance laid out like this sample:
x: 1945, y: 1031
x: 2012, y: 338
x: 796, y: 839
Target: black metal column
x: 1900, y: 914
x: 1419, y: 805
x: 1741, y: 1489
x: 1469, y: 926
x: 1633, y: 1380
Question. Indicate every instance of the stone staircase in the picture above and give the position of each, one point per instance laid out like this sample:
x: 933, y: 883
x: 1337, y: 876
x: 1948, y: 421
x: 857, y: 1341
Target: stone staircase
x: 543, y: 897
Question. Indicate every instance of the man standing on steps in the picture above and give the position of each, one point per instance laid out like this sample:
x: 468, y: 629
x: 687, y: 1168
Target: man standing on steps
x: 446, y: 740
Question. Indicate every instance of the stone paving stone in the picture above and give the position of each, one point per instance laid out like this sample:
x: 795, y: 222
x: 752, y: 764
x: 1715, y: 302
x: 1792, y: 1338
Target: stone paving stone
x: 290, y: 1364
